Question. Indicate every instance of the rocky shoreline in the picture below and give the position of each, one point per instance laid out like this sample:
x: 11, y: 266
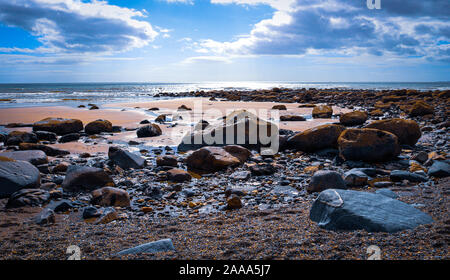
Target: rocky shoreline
x: 384, y: 163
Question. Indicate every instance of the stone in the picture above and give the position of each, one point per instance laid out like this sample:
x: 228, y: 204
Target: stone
x: 90, y: 212
x: 316, y: 138
x: 14, y: 138
x: 46, y: 136
x: 60, y: 205
x: 125, y: 159
x: 322, y: 112
x: 234, y: 202
x: 17, y: 175
x: 163, y: 245
x: 367, y: 144
x: 355, y: 178
x: 61, y: 167
x: 407, y: 131
x: 184, y: 108
x: 108, y: 215
x: 167, y: 160
x: 211, y: 159
x: 421, y: 108
x: 240, y: 175
x: 45, y: 217
x: 262, y: 169
x: 279, y: 107
x: 178, y: 175
x: 98, y: 126
x: 239, y: 152
x: 161, y: 118
x: 292, y: 118
x: 28, y: 197
x: 34, y: 157
x: 348, y: 210
x: 49, y: 151
x: 353, y: 118
x: 421, y: 157
x: 71, y: 137
x: 82, y: 178
x: 325, y: 179
x: 439, y: 169
x: 149, y: 131
x: 109, y: 196
x: 59, y: 126
x: 400, y: 175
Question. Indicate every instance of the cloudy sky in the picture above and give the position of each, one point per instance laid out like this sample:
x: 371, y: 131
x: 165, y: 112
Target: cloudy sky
x: 223, y: 40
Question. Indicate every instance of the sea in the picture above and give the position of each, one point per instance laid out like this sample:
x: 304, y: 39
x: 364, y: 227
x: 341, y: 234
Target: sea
x: 48, y: 94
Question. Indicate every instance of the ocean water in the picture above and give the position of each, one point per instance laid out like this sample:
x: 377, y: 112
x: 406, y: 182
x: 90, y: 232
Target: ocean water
x: 64, y: 93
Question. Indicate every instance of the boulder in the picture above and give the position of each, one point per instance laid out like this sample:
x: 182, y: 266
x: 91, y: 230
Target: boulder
x: 316, y: 138
x: 34, y: 157
x: 355, y: 178
x: 238, y: 151
x: 279, y: 107
x: 325, y: 179
x: 71, y: 137
x: 400, y: 175
x: 322, y: 112
x: 14, y: 138
x: 211, y: 159
x: 125, y: 159
x: 348, y: 210
x: 167, y: 160
x: 59, y: 126
x: 292, y: 118
x: 161, y: 118
x: 421, y: 108
x: 439, y: 169
x: 49, y: 151
x: 28, y: 197
x: 178, y: 175
x: 353, y: 118
x: 17, y: 175
x: 61, y: 205
x: 46, y: 136
x: 367, y: 144
x: 109, y: 196
x: 45, y: 217
x: 262, y: 169
x: 82, y: 178
x: 98, y: 126
x: 407, y: 131
x: 238, y: 128
x: 149, y: 131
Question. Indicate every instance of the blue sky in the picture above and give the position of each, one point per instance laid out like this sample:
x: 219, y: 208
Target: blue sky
x: 223, y: 40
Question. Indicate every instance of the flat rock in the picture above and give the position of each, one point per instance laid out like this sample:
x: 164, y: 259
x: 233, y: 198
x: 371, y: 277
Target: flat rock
x: 336, y: 209
x: 35, y: 157
x: 14, y: 138
x: 59, y: 126
x: 28, y: 197
x: 82, y: 178
x: 49, y: 151
x: 17, y: 175
x: 125, y: 159
x: 400, y: 175
x: 439, y: 169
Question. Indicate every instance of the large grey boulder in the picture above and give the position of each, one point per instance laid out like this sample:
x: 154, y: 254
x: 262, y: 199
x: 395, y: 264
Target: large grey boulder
x: 162, y: 245
x: 85, y: 178
x: 326, y: 179
x: 336, y: 209
x: 125, y: 159
x: 35, y: 157
x: 17, y: 175
x: 399, y: 175
x: 439, y: 169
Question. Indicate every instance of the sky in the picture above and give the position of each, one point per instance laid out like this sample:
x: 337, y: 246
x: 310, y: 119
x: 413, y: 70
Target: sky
x: 224, y: 40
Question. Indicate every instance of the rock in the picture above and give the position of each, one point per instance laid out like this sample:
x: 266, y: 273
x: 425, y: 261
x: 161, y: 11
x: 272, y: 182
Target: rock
x: 439, y: 169
x: 234, y: 202
x: 238, y: 128
x: 60, y: 205
x: 355, y: 178
x: 178, y: 175
x: 144, y: 122
x: 262, y: 169
x: 14, y: 138
x: 325, y: 179
x: 45, y: 217
x: 421, y: 108
x: 382, y: 184
x: 28, y: 197
x: 34, y: 157
x: 421, y: 157
x: 17, y: 175
x: 149, y: 131
x: 59, y: 126
x: 407, y: 131
x: 279, y: 107
x: 61, y: 167
x: 400, y: 175
x: 167, y: 160
x: 163, y: 245
x: 125, y: 159
x: 98, y: 126
x: 211, y: 159
x: 82, y: 178
x: 46, y: 136
x: 109, y: 196
x: 240, y: 175
x: 184, y: 108
x: 90, y: 212
x: 336, y: 209
x: 238, y: 151
x: 49, y: 151
x: 292, y: 118
x: 368, y: 144
x: 388, y: 193
x: 317, y: 138
x: 322, y: 112
x: 71, y: 137
x: 353, y: 118
x: 108, y: 215
x: 161, y: 118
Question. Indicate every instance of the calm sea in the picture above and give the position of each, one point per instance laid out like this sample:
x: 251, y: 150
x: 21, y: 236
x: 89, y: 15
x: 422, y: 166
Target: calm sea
x: 60, y: 94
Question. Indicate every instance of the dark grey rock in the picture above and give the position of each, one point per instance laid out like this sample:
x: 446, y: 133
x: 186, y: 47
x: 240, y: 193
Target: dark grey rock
x: 45, y: 217
x: 90, y: 212
x: 69, y: 138
x: 326, y: 179
x: 439, y: 169
x: 61, y: 205
x: 125, y: 159
x: 46, y: 135
x: 35, y: 157
x: 82, y: 178
x: 28, y: 197
x: 355, y: 178
x: 149, y: 131
x: 353, y: 210
x: 163, y: 245
x: 400, y: 175
x: 17, y: 175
